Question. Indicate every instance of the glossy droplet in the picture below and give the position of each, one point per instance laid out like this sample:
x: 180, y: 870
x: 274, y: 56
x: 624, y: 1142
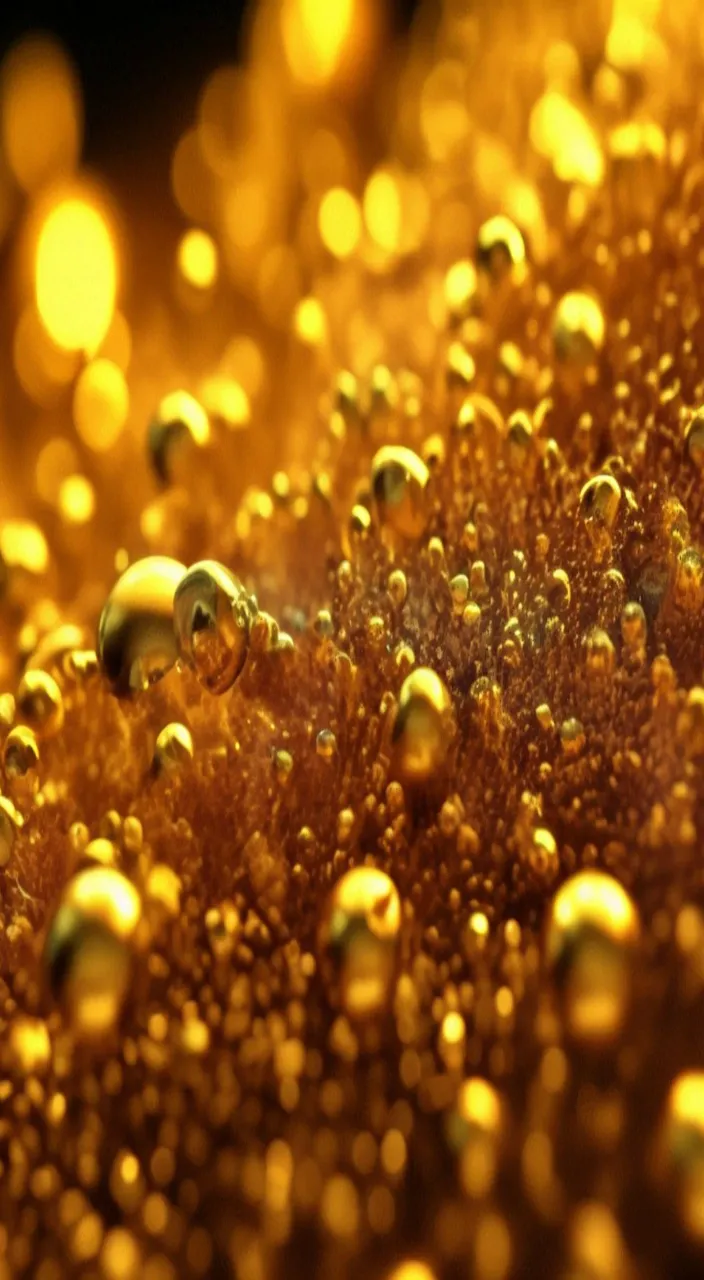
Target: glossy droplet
x: 679, y: 1152
x: 460, y: 290
x: 578, y: 330
x: 89, y: 949
x: 173, y: 748
x: 358, y: 941
x: 326, y: 744
x: 501, y: 250
x: 20, y: 753
x: 399, y: 482
x: 213, y: 618
x: 422, y: 727
x: 591, y: 935
x: 179, y: 425
x: 39, y: 704
x: 599, y: 652
x: 136, y: 640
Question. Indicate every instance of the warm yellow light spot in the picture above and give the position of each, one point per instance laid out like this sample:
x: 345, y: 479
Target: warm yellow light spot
x: 382, y: 210
x: 198, y: 259
x: 224, y: 398
x: 76, y: 275
x: 310, y: 323
x: 340, y: 222
x: 315, y: 35
x: 42, y: 368
x: 23, y: 545
x: 100, y: 404
x: 40, y: 111
x: 412, y: 1270
x: 76, y: 500
x: 560, y: 132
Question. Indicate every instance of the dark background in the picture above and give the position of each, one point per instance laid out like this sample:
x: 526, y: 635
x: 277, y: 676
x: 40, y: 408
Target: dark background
x: 141, y: 65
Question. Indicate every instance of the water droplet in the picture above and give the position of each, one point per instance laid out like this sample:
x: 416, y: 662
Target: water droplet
x: 501, y: 250
x: 578, y: 331
x: 21, y: 752
x: 173, y: 748
x: 136, y: 639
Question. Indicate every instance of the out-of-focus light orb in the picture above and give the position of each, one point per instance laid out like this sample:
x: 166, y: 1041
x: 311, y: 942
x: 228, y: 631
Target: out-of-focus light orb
x: 383, y: 210
x: 77, y: 500
x: 198, y: 259
x: 100, y: 405
x: 40, y: 112
x: 316, y: 33
x: 339, y: 222
x: 76, y: 275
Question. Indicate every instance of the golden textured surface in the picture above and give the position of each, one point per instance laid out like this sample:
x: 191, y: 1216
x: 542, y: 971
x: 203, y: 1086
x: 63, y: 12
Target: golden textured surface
x: 352, y: 659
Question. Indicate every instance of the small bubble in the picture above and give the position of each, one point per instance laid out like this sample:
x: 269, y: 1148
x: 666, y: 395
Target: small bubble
x: 679, y: 1151
x: 173, y: 748
x: 694, y: 440
x: 213, y: 616
x: 399, y: 482
x: 89, y: 949
x: 39, y: 703
x: 136, y: 640
x: 572, y: 736
x: 20, y: 752
x: 326, y: 744
x: 358, y: 941
x: 599, y: 652
x: 501, y: 250
x: 591, y: 935
x: 422, y: 727
x: 578, y: 331
x: 599, y: 501
x: 179, y: 425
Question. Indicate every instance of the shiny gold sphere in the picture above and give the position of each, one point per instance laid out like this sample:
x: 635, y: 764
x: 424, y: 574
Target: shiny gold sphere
x: 213, y: 615
x: 358, y: 941
x: 422, y: 728
x: 136, y: 641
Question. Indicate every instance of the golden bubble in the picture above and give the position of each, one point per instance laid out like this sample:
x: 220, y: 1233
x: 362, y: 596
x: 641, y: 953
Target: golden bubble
x: 136, y: 640
x: 326, y: 744
x: 213, y: 616
x: 460, y: 290
x: 10, y: 822
x: 399, y: 482
x: 100, y: 405
x: 76, y: 500
x: 591, y: 935
x: 179, y: 424
x: 358, y: 939
x: 679, y: 1151
x: 421, y: 730
x: 20, y: 752
x: 23, y: 549
x: 173, y: 748
x: 76, y: 275
x: 101, y: 852
x: 39, y: 703
x: 599, y: 501
x: 599, y: 652
x: 197, y: 258
x: 40, y: 111
x: 501, y: 250
x: 578, y: 330
x: 88, y: 949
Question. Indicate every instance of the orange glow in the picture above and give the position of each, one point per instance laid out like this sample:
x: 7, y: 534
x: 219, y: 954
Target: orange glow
x: 315, y: 35
x: 339, y: 222
x: 76, y: 275
x: 100, y: 404
x: 41, y: 112
x: 198, y: 259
